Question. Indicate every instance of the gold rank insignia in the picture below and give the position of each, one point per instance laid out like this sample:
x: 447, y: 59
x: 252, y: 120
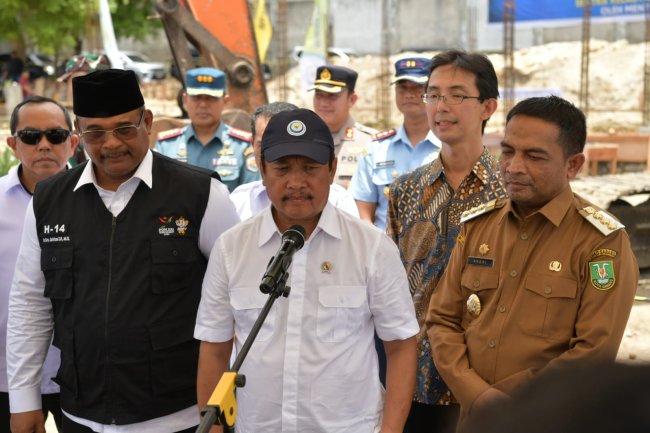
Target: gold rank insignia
x: 225, y: 152
x: 474, y: 305
x: 555, y: 266
x: 602, y: 274
x: 349, y: 134
x: 481, y: 209
x: 386, y: 191
x: 326, y: 267
x: 604, y: 222
x: 484, y: 249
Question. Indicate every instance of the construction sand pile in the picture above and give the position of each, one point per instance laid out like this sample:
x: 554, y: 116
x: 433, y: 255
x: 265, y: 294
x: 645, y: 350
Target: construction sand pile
x: 615, y: 81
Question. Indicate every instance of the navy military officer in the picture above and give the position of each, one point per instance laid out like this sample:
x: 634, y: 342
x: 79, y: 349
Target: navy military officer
x: 396, y: 151
x: 208, y: 142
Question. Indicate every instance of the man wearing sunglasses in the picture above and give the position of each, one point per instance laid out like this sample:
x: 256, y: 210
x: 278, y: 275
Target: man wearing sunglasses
x: 42, y: 141
x: 112, y: 260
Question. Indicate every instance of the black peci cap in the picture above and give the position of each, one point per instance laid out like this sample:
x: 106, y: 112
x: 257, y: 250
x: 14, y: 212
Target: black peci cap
x: 298, y: 132
x: 106, y: 93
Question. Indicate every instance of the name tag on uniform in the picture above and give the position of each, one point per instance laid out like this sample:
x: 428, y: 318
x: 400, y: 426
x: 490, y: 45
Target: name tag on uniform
x: 480, y: 261
x: 383, y: 164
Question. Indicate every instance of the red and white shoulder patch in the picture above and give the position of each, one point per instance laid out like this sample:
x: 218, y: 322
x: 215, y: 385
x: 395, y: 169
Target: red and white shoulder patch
x: 170, y: 133
x: 384, y: 134
x: 240, y: 134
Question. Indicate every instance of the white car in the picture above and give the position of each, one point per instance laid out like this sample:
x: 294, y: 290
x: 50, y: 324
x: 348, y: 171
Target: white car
x: 146, y: 69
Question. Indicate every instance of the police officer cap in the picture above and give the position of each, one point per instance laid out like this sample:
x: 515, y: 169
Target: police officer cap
x: 414, y: 69
x: 106, y: 93
x: 205, y: 81
x: 333, y: 79
x: 297, y: 133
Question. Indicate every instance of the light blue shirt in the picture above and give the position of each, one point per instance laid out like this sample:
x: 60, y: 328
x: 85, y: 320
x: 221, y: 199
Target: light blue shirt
x: 14, y: 199
x: 386, y: 160
x: 224, y: 153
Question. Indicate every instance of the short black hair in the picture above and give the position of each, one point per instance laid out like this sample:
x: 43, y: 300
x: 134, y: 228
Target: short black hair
x: 560, y: 112
x: 13, y: 121
x: 267, y: 111
x: 478, y: 64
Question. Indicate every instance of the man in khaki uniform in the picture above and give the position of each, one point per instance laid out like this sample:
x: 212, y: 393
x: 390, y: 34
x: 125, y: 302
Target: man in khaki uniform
x: 334, y: 96
x: 539, y: 281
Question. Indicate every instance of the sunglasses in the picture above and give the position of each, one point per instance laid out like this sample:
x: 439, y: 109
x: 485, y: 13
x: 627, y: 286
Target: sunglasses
x: 33, y: 136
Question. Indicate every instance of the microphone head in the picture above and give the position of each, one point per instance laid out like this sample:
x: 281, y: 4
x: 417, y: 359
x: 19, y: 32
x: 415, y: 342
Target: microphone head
x: 297, y: 234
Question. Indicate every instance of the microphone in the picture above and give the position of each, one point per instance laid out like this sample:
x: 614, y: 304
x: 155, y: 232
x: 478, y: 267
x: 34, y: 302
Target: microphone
x: 292, y: 240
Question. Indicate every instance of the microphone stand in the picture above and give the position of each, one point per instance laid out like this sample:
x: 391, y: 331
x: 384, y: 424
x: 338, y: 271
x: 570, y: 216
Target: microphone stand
x: 221, y: 408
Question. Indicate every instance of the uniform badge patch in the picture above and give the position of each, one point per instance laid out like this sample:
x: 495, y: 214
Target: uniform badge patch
x: 474, y: 305
x: 326, y: 267
x: 484, y: 249
x: 602, y: 274
x: 480, y: 261
x: 181, y: 225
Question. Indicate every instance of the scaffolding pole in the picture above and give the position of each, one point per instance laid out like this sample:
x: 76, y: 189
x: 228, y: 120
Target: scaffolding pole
x: 283, y: 49
x: 646, y: 69
x: 383, y: 106
x: 584, y: 65
x: 508, y: 56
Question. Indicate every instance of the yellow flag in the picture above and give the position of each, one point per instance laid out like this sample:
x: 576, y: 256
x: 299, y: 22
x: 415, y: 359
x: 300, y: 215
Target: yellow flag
x: 263, y: 30
x: 316, y: 39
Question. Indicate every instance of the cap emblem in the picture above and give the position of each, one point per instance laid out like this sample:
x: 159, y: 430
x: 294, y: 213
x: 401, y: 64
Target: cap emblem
x: 325, y: 74
x: 296, y: 128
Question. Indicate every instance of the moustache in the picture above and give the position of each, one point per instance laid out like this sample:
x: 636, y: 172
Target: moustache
x: 302, y: 196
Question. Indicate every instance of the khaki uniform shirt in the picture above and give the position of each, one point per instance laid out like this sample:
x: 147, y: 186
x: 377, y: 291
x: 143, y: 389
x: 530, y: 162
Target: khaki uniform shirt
x: 552, y: 289
x: 350, y: 146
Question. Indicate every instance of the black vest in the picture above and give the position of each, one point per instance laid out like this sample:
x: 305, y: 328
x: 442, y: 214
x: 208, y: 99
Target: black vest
x: 124, y: 291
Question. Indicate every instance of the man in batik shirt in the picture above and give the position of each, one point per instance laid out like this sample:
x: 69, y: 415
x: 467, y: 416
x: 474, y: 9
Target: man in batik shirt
x: 425, y: 206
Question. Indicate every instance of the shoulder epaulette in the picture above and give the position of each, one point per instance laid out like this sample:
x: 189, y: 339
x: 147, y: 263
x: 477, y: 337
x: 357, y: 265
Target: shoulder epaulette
x: 170, y: 133
x: 481, y: 209
x: 384, y: 134
x: 604, y: 222
x: 240, y: 134
x: 365, y: 129
x: 248, y: 150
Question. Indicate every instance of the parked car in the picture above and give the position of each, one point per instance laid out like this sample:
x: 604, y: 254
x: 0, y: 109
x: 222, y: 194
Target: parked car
x: 146, y: 69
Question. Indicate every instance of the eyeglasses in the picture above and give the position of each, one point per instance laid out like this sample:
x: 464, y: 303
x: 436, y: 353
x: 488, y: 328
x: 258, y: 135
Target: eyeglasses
x: 33, y: 136
x: 430, y: 98
x: 98, y: 136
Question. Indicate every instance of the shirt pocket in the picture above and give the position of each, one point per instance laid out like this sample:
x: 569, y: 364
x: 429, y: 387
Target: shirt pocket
x: 482, y: 283
x: 549, y: 307
x: 247, y: 304
x: 173, y: 262
x: 342, y: 310
x: 382, y: 176
x: 56, y: 264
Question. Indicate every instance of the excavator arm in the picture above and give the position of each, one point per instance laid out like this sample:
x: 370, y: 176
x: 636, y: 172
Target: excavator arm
x: 222, y: 32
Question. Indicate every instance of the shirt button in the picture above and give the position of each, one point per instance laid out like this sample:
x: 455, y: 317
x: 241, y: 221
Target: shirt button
x: 492, y: 344
x: 175, y: 253
x: 53, y: 259
x: 513, y: 273
x: 547, y: 290
x: 524, y: 236
x: 502, y: 309
x: 477, y: 283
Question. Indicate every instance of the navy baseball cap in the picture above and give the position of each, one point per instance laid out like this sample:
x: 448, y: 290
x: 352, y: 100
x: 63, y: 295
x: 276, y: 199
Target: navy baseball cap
x: 333, y: 79
x: 414, y: 69
x: 298, y: 132
x: 205, y: 81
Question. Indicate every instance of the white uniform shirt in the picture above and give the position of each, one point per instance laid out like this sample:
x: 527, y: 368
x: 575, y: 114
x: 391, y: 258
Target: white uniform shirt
x: 30, y: 313
x: 313, y: 367
x: 251, y: 198
x: 14, y: 199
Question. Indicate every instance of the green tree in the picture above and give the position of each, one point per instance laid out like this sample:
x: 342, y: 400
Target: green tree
x: 55, y: 24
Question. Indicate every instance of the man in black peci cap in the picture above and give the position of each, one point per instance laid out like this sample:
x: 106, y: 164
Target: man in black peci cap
x: 313, y: 367
x: 334, y: 97
x: 112, y: 259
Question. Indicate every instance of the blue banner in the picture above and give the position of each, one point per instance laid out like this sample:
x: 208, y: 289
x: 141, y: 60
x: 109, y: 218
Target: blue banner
x: 532, y: 12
